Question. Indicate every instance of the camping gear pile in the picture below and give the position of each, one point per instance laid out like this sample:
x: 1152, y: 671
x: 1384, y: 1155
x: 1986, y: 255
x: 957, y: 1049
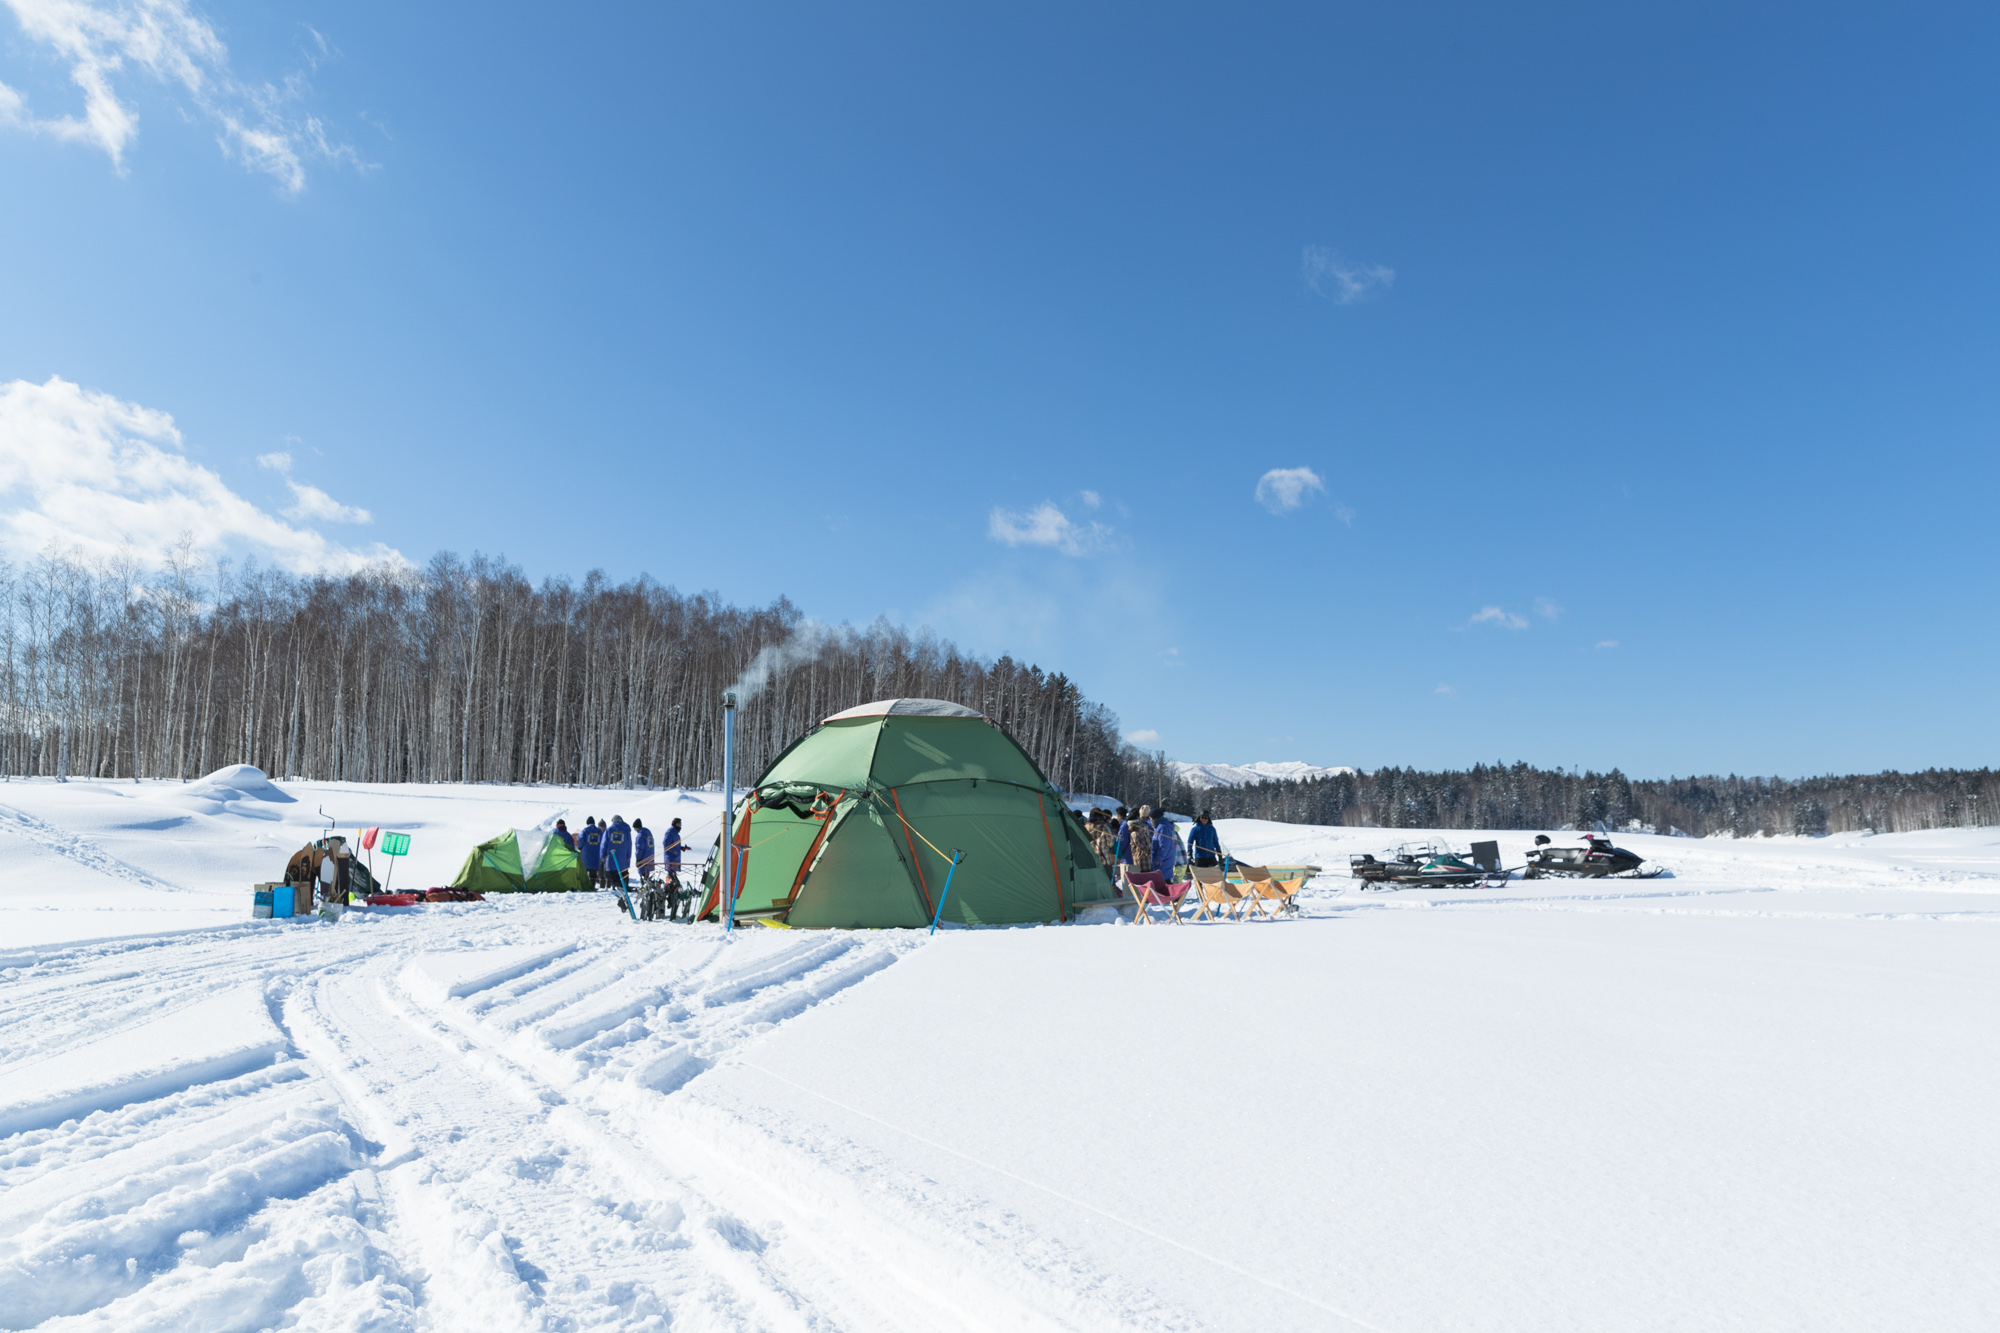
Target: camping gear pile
x: 324, y: 877
x: 850, y: 827
x: 321, y: 876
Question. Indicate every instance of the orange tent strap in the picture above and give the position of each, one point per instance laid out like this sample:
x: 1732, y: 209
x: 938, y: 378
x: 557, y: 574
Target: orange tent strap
x: 1062, y: 913
x: 923, y: 889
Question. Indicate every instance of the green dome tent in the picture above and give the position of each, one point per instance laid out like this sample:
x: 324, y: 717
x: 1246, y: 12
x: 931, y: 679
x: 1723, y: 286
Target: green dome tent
x: 854, y: 824
x: 522, y: 860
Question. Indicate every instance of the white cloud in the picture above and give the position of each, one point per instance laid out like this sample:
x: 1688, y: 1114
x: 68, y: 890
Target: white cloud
x: 1547, y: 609
x: 1283, y: 489
x: 1607, y: 643
x: 1145, y: 737
x: 1091, y: 499
x: 310, y: 503
x: 1445, y: 689
x: 105, y: 45
x: 313, y: 505
x: 1344, y: 514
x: 1342, y: 281
x: 82, y: 470
x: 1493, y: 615
x: 1045, y: 525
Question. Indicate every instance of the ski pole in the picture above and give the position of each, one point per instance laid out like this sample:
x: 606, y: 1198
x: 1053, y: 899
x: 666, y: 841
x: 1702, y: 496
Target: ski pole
x: 956, y: 857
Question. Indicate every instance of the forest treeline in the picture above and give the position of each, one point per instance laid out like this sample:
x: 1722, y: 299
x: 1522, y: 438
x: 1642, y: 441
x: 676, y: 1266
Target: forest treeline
x: 1516, y: 796
x: 463, y: 672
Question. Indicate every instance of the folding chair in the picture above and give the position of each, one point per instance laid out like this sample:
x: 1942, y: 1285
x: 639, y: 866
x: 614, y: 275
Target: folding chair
x: 1212, y: 886
x: 1261, y: 887
x: 1149, y: 888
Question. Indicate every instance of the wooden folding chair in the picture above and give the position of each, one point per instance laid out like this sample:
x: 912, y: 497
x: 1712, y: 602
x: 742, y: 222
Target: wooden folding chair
x: 1211, y: 886
x: 1262, y: 887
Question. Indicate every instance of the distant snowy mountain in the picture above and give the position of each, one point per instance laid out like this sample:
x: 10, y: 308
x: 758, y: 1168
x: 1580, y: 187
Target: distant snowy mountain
x: 1203, y: 776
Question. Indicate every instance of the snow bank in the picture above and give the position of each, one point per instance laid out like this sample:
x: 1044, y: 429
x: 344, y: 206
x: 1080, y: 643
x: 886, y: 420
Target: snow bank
x: 240, y: 789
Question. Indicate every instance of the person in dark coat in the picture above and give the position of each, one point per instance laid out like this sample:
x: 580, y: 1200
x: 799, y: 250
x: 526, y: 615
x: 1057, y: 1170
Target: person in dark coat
x: 590, y: 850
x: 672, y: 844
x: 1204, y: 843
x: 642, y: 848
x: 568, y: 838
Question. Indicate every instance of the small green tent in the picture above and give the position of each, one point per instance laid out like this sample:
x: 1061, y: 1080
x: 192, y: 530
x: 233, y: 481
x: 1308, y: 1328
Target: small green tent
x: 523, y: 860
x: 854, y: 824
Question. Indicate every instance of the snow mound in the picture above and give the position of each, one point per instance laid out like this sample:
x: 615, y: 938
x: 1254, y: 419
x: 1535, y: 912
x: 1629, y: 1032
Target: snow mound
x: 1203, y: 776
x: 240, y: 789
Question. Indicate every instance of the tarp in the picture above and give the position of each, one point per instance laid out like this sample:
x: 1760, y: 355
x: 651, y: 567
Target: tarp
x: 495, y: 866
x: 854, y: 824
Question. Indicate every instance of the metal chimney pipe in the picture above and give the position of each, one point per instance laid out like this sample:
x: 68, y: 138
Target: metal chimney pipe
x: 728, y: 877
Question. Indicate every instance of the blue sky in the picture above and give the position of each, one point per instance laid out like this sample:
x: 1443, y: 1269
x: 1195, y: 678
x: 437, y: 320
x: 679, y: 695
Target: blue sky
x: 1588, y: 385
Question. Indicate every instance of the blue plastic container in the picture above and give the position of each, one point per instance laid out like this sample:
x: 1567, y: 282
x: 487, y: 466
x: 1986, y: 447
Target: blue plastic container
x: 281, y: 900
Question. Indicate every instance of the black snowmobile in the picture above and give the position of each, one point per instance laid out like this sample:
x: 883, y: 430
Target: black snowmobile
x: 1596, y: 859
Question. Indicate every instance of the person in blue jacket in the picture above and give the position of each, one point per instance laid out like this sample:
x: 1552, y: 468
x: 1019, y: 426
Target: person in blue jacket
x: 642, y: 848
x: 616, y: 850
x: 1204, y: 844
x: 590, y: 850
x: 567, y: 838
x: 1166, y: 845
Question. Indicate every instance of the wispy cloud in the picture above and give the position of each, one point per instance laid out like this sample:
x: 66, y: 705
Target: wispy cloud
x: 1091, y: 500
x: 1146, y: 736
x: 106, y: 45
x: 1045, y: 525
x: 1343, y: 281
x: 1607, y: 643
x: 1547, y: 609
x: 1493, y: 615
x: 85, y: 471
x: 1284, y: 489
x: 310, y: 503
x: 1344, y: 514
x: 1446, y: 689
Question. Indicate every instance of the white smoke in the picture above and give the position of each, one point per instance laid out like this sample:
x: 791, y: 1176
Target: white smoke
x: 805, y: 643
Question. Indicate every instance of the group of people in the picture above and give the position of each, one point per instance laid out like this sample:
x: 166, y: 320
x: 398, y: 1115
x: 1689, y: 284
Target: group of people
x: 608, y: 850
x: 1144, y: 840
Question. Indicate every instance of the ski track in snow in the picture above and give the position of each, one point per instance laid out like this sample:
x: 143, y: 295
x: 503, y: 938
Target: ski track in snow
x: 475, y: 1128
x: 78, y: 848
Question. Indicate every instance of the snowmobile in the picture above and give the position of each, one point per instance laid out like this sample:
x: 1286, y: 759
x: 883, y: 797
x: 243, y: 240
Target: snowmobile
x: 1596, y: 859
x: 1430, y: 864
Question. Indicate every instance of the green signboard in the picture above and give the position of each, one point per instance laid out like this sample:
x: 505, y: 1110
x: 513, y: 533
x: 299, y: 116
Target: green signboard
x: 395, y: 844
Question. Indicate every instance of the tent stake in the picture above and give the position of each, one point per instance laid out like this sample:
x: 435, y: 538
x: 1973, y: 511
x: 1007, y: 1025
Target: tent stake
x: 956, y: 857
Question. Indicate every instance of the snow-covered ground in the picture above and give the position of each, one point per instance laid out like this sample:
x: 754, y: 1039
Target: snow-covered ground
x: 1757, y: 1093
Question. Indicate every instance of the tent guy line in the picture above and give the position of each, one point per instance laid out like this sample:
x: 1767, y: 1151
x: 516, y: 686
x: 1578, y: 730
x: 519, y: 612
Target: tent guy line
x: 1052, y: 1192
